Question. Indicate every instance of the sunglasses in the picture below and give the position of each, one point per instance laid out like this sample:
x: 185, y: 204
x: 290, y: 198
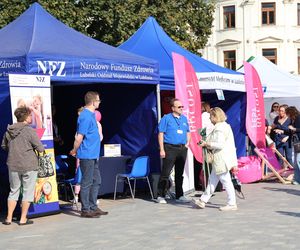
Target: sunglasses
x: 180, y: 107
x: 275, y: 106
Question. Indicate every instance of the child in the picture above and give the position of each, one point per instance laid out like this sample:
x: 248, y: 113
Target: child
x: 98, y: 119
x: 36, y: 108
x: 77, y: 186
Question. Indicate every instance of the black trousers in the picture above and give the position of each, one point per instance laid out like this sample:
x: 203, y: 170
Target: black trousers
x: 175, y: 155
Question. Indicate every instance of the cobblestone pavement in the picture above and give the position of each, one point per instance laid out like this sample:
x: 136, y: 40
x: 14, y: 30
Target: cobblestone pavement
x: 269, y: 218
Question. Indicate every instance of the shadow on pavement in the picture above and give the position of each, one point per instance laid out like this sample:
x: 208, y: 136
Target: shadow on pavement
x: 192, y: 206
x: 69, y: 210
x: 286, y: 190
x: 289, y: 213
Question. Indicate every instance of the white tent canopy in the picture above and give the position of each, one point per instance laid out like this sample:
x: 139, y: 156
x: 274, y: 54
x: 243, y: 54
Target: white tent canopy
x: 275, y: 81
x: 278, y: 85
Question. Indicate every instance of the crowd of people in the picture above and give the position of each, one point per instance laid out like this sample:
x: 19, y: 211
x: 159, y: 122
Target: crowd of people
x: 284, y: 130
x: 173, y: 138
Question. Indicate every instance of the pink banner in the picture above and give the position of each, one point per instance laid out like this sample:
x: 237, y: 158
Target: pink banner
x: 187, y: 91
x: 255, y: 117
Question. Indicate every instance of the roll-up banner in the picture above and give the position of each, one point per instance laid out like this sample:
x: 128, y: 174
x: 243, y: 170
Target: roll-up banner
x: 34, y: 92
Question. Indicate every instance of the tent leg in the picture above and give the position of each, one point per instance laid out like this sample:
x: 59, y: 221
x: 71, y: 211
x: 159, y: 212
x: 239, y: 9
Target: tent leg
x: 158, y: 102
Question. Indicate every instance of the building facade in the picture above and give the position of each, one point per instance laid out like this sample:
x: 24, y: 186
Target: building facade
x: 246, y: 28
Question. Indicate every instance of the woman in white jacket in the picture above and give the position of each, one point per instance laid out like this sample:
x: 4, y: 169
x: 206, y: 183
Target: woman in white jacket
x: 221, y: 143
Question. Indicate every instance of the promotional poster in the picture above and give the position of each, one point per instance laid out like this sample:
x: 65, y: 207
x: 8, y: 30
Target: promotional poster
x: 34, y: 92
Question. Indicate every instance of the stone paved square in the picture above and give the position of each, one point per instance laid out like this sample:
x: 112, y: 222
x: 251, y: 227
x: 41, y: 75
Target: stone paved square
x: 268, y: 218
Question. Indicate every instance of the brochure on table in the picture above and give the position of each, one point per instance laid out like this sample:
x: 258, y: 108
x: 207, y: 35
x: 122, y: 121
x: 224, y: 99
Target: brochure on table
x: 112, y: 150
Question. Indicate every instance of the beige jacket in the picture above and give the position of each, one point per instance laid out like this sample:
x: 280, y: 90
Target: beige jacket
x: 221, y: 142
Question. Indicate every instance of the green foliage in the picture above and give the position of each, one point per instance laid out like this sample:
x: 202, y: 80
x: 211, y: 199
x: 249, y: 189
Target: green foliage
x: 72, y: 13
x: 188, y: 22
x: 9, y: 11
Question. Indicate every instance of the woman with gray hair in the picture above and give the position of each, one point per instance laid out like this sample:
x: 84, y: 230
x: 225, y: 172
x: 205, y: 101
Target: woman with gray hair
x: 221, y: 144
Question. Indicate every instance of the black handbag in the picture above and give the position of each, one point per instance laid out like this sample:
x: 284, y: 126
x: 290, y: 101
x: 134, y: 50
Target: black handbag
x: 45, y: 167
x: 297, y: 147
x: 237, y: 185
x: 296, y: 144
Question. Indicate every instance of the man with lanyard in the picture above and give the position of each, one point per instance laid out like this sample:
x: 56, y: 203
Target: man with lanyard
x: 87, y: 149
x: 174, y: 137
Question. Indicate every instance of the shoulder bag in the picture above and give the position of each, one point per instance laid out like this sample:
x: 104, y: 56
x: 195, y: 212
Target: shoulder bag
x: 45, y: 167
x: 296, y: 143
x: 209, y: 156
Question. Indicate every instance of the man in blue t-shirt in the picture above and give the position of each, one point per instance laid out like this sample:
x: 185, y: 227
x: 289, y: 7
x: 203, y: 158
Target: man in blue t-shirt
x: 174, y: 137
x: 87, y: 149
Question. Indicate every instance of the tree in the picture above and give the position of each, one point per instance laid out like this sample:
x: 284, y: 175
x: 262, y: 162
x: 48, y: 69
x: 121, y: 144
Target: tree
x: 72, y: 13
x: 188, y: 22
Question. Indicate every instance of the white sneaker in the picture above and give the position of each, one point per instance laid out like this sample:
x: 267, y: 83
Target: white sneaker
x: 161, y: 200
x: 183, y: 199
x: 198, y: 203
x: 228, y: 208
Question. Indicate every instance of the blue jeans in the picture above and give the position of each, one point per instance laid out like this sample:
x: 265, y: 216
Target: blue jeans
x: 286, y: 151
x: 297, y: 167
x: 90, y: 184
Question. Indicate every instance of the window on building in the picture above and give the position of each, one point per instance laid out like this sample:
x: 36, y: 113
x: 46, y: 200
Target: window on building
x: 230, y: 59
x: 270, y: 54
x: 229, y: 17
x: 299, y: 61
x: 298, y: 13
x: 268, y: 13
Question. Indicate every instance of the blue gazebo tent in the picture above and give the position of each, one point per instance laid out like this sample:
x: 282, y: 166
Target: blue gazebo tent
x: 151, y: 41
x: 37, y: 43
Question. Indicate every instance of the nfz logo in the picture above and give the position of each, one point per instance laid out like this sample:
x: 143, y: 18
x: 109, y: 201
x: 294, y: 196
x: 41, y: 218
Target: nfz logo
x: 40, y: 79
x: 56, y: 68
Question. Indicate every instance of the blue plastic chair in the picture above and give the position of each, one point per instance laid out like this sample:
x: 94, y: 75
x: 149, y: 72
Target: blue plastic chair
x: 72, y: 182
x: 140, y: 170
x: 61, y: 165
